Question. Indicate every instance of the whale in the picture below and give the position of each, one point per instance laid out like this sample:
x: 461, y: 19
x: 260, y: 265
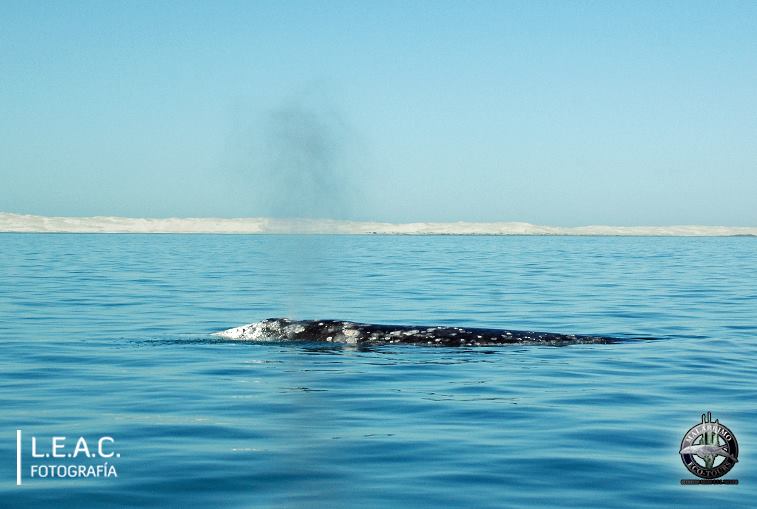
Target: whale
x: 709, y: 451
x: 338, y: 331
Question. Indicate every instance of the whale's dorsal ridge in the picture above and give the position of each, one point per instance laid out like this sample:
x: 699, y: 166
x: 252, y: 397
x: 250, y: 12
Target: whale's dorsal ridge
x: 340, y: 331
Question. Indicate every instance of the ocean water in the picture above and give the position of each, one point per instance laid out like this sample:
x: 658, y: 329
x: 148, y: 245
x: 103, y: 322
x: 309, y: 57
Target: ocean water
x: 110, y: 335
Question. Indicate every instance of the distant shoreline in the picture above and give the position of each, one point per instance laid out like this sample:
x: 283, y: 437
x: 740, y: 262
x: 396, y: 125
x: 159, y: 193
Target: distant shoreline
x: 25, y: 223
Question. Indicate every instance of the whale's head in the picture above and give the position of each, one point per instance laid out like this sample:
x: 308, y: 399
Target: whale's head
x: 284, y: 329
x: 270, y: 328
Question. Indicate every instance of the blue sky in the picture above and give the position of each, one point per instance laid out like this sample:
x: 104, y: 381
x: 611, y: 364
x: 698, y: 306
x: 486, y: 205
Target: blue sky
x: 563, y: 113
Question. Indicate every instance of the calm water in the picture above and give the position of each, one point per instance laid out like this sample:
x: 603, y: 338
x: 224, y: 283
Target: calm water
x: 109, y: 335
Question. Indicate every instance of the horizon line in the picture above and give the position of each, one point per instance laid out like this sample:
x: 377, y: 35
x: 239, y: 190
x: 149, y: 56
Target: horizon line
x: 30, y: 223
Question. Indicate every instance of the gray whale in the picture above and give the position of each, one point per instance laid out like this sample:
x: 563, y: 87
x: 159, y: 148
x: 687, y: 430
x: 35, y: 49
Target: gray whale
x: 283, y: 329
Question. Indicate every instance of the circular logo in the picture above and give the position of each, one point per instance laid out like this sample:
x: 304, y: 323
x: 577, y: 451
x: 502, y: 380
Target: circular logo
x: 709, y: 449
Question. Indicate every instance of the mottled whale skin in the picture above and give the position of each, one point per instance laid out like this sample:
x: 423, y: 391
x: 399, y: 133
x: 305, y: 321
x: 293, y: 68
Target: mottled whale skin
x: 337, y: 331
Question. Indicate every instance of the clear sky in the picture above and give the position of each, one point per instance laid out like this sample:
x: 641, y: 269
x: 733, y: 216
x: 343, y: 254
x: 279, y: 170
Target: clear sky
x: 562, y: 113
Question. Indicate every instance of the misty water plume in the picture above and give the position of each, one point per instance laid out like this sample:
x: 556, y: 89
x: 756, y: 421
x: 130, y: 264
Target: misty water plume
x: 304, y: 165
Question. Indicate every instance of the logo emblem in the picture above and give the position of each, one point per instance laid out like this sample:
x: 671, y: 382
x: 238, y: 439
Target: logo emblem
x: 709, y: 450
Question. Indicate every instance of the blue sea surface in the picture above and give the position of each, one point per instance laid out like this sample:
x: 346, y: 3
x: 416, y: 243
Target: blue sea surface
x: 111, y: 335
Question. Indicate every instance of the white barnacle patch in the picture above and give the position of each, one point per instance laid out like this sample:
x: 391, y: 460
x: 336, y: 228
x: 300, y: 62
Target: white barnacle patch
x: 234, y: 333
x: 259, y: 331
x: 351, y: 336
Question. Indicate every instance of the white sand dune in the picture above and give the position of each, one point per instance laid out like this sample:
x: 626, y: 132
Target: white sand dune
x: 107, y: 224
